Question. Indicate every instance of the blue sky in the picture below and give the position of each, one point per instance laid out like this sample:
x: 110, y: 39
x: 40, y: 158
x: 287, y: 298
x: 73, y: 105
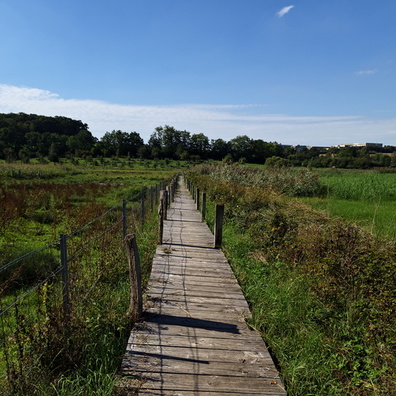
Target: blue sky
x: 314, y: 72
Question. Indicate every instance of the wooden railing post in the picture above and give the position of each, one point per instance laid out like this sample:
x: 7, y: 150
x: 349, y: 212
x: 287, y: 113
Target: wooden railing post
x: 203, y: 206
x: 169, y: 196
x: 135, y: 275
x: 161, y: 209
x: 166, y: 199
x: 198, y: 198
x: 218, y: 234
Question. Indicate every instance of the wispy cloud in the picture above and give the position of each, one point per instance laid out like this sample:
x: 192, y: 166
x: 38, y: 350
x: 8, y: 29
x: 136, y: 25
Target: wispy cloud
x: 365, y: 72
x: 284, y: 11
x: 215, y: 121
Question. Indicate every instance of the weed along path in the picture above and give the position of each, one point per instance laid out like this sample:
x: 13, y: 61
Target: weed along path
x: 193, y: 339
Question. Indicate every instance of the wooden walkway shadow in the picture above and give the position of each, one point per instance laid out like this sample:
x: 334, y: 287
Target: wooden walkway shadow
x: 194, y: 339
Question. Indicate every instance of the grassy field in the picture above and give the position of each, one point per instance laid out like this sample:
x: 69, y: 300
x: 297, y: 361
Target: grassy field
x: 39, y: 202
x: 366, y: 198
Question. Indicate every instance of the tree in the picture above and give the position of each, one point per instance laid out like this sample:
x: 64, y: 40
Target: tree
x: 167, y: 142
x: 81, y: 144
x: 219, y: 149
x: 53, y: 153
x: 260, y: 150
x: 32, y: 135
x: 199, y: 145
x: 119, y: 143
x: 240, y: 147
x: 134, y: 144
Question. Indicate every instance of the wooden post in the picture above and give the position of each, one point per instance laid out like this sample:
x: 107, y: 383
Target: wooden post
x: 203, y: 206
x: 197, y: 195
x: 218, y: 234
x: 161, y: 218
x: 135, y: 276
x: 169, y: 197
x: 166, y: 199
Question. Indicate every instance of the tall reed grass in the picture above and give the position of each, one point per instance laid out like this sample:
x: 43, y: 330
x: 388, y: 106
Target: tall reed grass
x: 368, y: 186
x: 363, y: 197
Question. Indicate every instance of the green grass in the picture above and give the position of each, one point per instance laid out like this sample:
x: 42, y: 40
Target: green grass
x: 377, y: 218
x: 369, y: 186
x: 283, y: 311
x: 366, y: 198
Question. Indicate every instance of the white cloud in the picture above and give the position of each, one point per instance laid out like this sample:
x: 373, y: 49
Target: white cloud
x: 284, y: 11
x: 365, y: 72
x: 215, y: 121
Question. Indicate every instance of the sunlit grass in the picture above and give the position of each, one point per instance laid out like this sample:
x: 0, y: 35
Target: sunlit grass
x: 366, y: 198
x: 377, y: 218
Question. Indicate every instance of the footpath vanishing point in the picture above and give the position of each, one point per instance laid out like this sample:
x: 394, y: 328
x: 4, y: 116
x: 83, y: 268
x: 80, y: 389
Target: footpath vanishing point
x: 193, y: 339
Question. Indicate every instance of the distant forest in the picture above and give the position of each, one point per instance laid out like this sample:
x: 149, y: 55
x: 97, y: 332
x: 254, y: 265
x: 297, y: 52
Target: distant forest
x: 27, y: 136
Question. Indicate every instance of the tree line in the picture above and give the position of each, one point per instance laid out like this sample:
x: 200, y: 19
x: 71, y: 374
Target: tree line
x: 26, y: 136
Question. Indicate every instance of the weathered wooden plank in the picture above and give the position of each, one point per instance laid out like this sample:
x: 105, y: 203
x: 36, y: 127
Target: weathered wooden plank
x: 194, y: 339
x: 202, y: 291
x: 239, y: 343
x: 169, y: 382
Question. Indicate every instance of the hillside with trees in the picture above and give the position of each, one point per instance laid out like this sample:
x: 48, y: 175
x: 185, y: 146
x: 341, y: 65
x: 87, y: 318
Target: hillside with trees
x: 27, y: 136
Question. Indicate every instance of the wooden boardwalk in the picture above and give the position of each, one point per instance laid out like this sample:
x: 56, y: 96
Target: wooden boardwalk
x: 194, y: 339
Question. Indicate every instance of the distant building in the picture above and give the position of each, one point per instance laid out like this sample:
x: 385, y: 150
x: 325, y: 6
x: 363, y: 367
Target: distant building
x: 359, y: 145
x: 299, y: 147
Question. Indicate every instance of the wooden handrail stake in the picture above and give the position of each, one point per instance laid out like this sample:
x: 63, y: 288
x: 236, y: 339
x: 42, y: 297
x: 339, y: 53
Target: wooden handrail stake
x: 218, y: 228
x: 166, y: 203
x: 135, y: 276
x: 203, y: 206
x: 161, y: 217
x: 198, y: 198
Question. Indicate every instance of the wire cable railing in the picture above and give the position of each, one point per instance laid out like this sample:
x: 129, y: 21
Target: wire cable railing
x: 38, y: 312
